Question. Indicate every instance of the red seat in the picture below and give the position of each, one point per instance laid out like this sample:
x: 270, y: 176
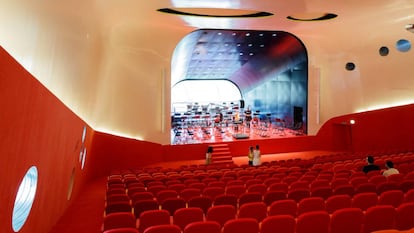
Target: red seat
x: 250, y: 197
x: 153, y: 217
x: 122, y: 230
x: 311, y: 204
x: 226, y: 199
x: 143, y: 205
x: 120, y: 206
x: 396, y: 177
x: 406, y: 185
x: 270, y: 196
x: 173, y: 204
x: 260, y: 188
x: 188, y: 193
x: 391, y: 197
x: 167, y: 228
x: 311, y: 222
x: 279, y: 187
x: 184, y: 216
x: 365, y: 187
x: 212, y: 192
x: 202, y: 202
x: 405, y: 216
x: 256, y: 210
x: 283, y: 207
x: 336, y: 202
x: 364, y: 200
x: 323, y: 192
x: 347, y: 220
x: 221, y: 213
x: 298, y: 194
x: 119, y: 220
x: 236, y: 190
x: 203, y: 227
x: 385, y: 186
x: 241, y: 225
x: 347, y: 189
x: 283, y: 224
x: 379, y: 217
x: 165, y: 194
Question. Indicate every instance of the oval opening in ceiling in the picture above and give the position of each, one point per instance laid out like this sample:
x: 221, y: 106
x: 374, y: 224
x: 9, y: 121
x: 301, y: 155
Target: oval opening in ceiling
x: 312, y: 16
x: 215, y: 12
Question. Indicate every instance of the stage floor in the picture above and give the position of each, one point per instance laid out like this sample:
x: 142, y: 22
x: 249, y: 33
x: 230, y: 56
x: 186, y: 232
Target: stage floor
x: 198, y: 134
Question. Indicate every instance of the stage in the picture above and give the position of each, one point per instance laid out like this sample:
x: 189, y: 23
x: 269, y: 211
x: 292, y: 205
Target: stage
x: 229, y: 133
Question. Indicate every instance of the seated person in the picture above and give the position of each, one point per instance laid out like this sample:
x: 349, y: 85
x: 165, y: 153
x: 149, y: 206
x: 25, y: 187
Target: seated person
x: 370, y: 166
x: 390, y: 169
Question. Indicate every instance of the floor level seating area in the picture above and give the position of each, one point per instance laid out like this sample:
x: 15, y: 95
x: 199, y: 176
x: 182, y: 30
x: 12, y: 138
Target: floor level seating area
x: 325, y: 194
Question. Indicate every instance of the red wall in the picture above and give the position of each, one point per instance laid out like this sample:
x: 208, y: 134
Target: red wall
x: 36, y: 129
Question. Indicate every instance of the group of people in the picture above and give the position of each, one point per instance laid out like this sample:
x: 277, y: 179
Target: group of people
x: 254, y: 156
x: 371, y: 166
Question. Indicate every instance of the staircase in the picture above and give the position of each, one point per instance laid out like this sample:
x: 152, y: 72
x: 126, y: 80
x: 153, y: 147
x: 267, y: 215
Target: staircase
x: 221, y: 154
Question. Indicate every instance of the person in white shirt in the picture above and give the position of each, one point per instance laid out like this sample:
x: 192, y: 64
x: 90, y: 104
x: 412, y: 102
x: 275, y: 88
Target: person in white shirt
x: 390, y: 169
x: 256, y: 156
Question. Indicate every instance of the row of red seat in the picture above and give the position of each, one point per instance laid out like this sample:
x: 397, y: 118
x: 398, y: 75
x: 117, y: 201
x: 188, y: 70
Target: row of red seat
x: 228, y: 220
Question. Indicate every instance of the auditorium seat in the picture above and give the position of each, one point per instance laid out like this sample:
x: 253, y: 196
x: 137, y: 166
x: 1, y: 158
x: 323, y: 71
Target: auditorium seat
x: 347, y: 220
x: 391, y: 197
x: 188, y: 193
x: 165, y: 194
x: 405, y: 216
x: 364, y: 200
x: 173, y: 204
x: 347, y: 189
x: 166, y: 228
x: 283, y: 224
x: 279, y: 187
x: 120, y: 206
x: 387, y: 185
x: 336, y: 202
x: 212, y: 192
x: 221, y: 213
x: 184, y: 216
x: 283, y: 207
x: 379, y: 217
x: 236, y: 190
x: 256, y: 210
x: 365, y: 187
x: 119, y: 220
x: 406, y: 185
x: 270, y: 196
x: 122, y: 230
x: 261, y: 188
x: 143, y: 205
x: 202, y: 202
x: 241, y: 225
x: 324, y: 192
x: 250, y: 197
x: 298, y: 194
x: 203, y: 227
x: 313, y: 222
x: 153, y: 217
x: 311, y: 204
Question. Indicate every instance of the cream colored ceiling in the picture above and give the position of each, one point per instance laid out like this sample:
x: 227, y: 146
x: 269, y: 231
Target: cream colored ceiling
x: 110, y: 61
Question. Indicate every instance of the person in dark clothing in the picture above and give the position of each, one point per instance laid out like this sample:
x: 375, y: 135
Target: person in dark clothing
x: 370, y: 166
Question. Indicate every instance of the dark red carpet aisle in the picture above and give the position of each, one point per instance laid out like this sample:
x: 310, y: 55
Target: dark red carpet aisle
x: 86, y: 214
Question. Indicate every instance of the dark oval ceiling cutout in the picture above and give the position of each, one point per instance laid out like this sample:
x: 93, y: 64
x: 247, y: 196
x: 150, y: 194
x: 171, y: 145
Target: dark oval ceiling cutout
x: 350, y: 66
x: 215, y: 12
x: 383, y: 51
x: 312, y: 16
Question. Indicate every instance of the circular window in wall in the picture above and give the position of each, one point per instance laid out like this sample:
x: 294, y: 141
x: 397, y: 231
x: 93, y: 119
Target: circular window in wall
x: 403, y: 45
x: 24, y: 199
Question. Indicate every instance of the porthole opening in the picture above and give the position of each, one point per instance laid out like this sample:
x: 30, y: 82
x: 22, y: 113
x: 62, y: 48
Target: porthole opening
x: 24, y: 199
